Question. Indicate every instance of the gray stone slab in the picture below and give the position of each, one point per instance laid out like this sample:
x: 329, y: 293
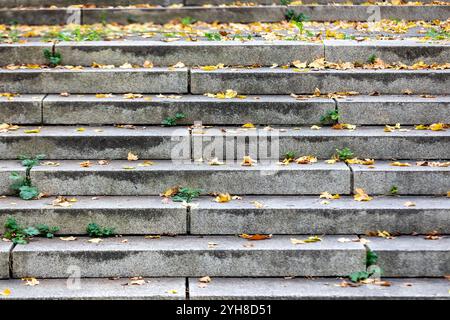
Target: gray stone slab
x: 63, y: 3
x: 413, y: 180
x: 96, y: 289
x: 117, y: 179
x: 403, y: 109
x: 89, y: 80
x: 282, y: 81
x: 24, y: 53
x: 127, y: 215
x: 411, y: 13
x: 86, y: 109
x: 187, y: 256
x: 319, y: 288
x: 64, y: 142
x: 190, y: 53
x: 302, y: 215
x: 412, y: 256
x: 39, y: 16
x: 163, y: 15
x: 365, y: 142
x: 23, y: 109
x: 5, y: 248
x: 269, y: 2
x: 390, y: 51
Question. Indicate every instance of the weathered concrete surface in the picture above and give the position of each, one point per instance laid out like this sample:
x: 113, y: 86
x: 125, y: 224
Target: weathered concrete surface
x: 390, y: 51
x: 35, y: 16
x: 412, y: 256
x: 63, y: 142
x: 118, y: 178
x: 190, y: 53
x: 187, y: 256
x: 24, y: 53
x: 365, y: 142
x: 319, y: 288
x: 96, y: 289
x: 89, y: 80
x: 164, y: 15
x: 282, y: 81
x: 403, y: 109
x: 5, y: 248
x: 303, y: 215
x: 412, y: 13
x: 265, y: 2
x: 413, y: 180
x: 24, y: 109
x: 86, y: 109
x: 127, y: 215
x: 62, y: 3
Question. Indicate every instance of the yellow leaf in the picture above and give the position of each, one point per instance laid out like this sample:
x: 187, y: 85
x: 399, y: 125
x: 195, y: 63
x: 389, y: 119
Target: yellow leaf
x: 361, y: 195
x: 211, y: 68
x: 146, y: 163
x: 68, y: 238
x: 132, y: 157
x: 248, y: 161
x: 157, y: 236
x: 421, y: 127
x: 170, y: 192
x: 315, y: 127
x: 32, y: 130
x: 329, y: 196
x: 147, y: 64
x: 257, y: 204
x: 103, y: 95
x: 5, y: 292
x: 299, y: 64
x: 248, y: 125
x: 205, y: 279
x: 409, y: 204
x: 85, y: 164
x: 215, y: 162
x: 95, y: 240
x: 81, y: 129
x: 306, y: 160
x: 400, y: 164
x: 255, y: 236
x: 317, y: 92
x: 223, y: 197
x: 437, y: 126
x: 310, y: 239
x: 30, y: 281
x: 172, y: 291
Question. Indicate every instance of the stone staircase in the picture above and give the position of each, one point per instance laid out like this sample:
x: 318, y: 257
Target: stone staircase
x: 110, y: 102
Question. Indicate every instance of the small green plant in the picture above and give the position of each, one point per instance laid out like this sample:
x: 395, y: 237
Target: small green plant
x: 186, y: 194
x: 371, y: 260
x: 330, y: 117
x: 291, y: 16
x: 172, y: 121
x: 290, y: 155
x: 344, y: 154
x: 20, y: 235
x: 46, y: 231
x: 23, y: 185
x: 96, y: 231
x: 372, y: 58
x: 438, y: 34
x: 54, y: 57
x: 186, y: 21
x: 394, y: 190
x: 213, y: 36
x: 285, y: 2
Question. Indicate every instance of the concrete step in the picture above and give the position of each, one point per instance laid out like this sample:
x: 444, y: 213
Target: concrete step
x: 62, y: 142
x: 412, y: 110
x: 5, y: 248
x: 70, y: 142
x: 297, y: 215
x: 127, y: 215
x: 128, y: 178
x: 93, y: 80
x: 22, y: 109
x: 262, y: 109
x: 279, y: 215
x: 287, y: 81
x: 187, y: 256
x: 95, y: 289
x: 318, y: 288
x: 365, y: 142
x: 412, y: 256
x: 237, y: 14
x: 204, y: 52
x: 87, y: 109
x: 412, y: 180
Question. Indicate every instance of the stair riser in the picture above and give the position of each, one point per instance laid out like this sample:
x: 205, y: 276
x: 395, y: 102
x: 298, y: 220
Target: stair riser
x: 266, y: 81
x: 229, y: 14
x: 323, y: 147
x: 95, y: 147
x: 173, y: 263
x: 94, y: 81
x: 145, y: 182
x: 5, y: 248
x: 62, y: 3
x: 317, y: 221
x: 124, y: 221
x: 409, y: 182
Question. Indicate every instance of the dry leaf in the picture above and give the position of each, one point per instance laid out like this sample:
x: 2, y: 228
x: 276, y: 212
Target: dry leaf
x: 132, y: 157
x: 30, y: 281
x: 71, y: 238
x: 310, y: 239
x: 248, y: 161
x: 255, y: 236
x: 95, y: 240
x: 223, y: 197
x: 361, y: 195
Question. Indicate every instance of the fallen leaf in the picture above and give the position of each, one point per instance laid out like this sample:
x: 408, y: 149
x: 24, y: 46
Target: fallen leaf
x: 329, y: 196
x: 30, y: 281
x: 95, y: 240
x: 248, y: 161
x: 310, y: 239
x: 71, y: 238
x: 409, y: 204
x: 361, y: 195
x: 223, y: 197
x: 257, y: 204
x: 132, y: 157
x: 205, y: 279
x: 255, y: 236
x: 5, y: 292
